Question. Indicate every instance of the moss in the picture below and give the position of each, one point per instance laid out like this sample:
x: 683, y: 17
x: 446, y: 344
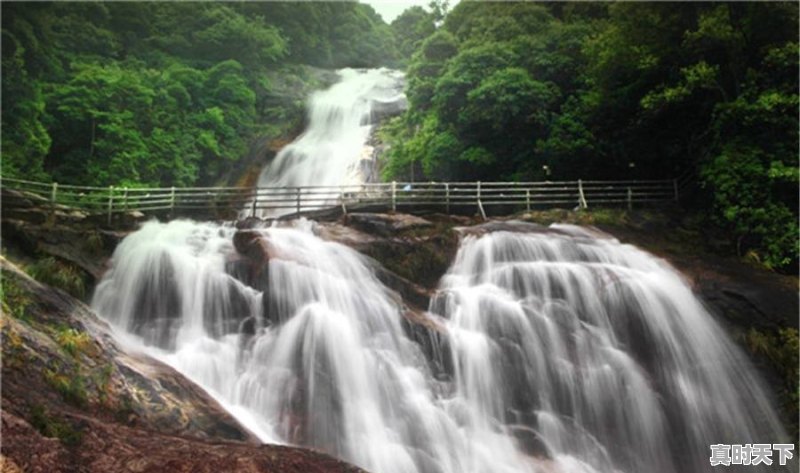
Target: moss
x: 73, y: 341
x: 14, y: 353
x: 15, y: 301
x: 59, y: 274
x: 125, y: 410
x: 103, y: 382
x: 51, y: 425
x: 71, y: 387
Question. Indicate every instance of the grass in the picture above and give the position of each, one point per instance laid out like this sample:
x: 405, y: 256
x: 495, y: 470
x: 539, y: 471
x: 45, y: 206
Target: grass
x: 94, y: 242
x: 72, y: 388
x: 54, y: 426
x: 103, y: 382
x: 15, y: 301
x: 73, y: 341
x: 59, y: 274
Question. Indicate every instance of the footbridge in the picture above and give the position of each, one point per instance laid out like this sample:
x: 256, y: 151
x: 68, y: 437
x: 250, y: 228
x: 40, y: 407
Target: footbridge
x: 229, y: 203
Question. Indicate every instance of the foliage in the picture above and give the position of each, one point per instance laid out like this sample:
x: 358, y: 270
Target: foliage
x: 15, y: 301
x: 73, y: 341
x: 60, y: 274
x: 503, y: 89
x: 411, y: 28
x: 71, y: 387
x: 781, y: 349
x: 51, y: 425
x: 160, y: 94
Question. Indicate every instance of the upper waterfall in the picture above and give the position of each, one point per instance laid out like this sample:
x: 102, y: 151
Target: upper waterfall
x: 333, y: 150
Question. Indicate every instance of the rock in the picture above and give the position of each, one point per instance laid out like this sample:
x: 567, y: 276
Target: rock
x: 28, y: 450
x: 94, y: 374
x: 386, y: 225
x: 105, y: 447
x: 253, y: 245
x: 72, y: 400
x: 77, y: 215
x: 385, y: 109
x: 82, y: 245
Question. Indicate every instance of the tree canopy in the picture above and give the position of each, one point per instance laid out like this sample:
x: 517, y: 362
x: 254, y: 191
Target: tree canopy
x: 165, y: 93
x: 616, y: 90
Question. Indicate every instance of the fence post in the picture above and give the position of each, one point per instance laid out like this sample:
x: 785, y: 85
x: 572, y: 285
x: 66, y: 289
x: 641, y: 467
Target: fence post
x: 255, y: 204
x: 125, y: 199
x: 479, y: 193
x: 53, y: 201
x: 341, y: 197
x: 110, y: 202
x: 528, y: 199
x: 297, y: 190
x: 675, y: 188
x: 630, y: 199
x: 447, y: 197
x: 172, y: 200
x: 394, y: 196
x: 581, y: 197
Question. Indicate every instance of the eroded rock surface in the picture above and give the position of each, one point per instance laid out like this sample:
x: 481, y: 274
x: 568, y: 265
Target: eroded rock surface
x: 74, y: 400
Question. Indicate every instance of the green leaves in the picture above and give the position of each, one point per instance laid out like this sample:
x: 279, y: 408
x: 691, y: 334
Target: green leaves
x: 160, y: 93
x: 504, y: 88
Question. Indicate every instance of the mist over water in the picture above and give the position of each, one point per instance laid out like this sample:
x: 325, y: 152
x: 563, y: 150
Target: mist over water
x: 563, y: 350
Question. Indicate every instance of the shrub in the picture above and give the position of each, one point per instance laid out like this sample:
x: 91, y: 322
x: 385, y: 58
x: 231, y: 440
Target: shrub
x: 54, y: 426
x: 59, y: 274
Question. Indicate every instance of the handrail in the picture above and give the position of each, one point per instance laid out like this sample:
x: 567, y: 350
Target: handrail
x: 405, y: 196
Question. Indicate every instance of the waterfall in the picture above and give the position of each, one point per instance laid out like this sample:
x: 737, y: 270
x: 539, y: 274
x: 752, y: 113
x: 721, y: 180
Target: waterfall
x: 566, y: 350
x: 333, y: 150
x: 598, y: 351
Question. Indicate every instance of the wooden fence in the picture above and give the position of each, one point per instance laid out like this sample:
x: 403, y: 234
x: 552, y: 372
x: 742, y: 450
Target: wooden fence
x: 449, y: 197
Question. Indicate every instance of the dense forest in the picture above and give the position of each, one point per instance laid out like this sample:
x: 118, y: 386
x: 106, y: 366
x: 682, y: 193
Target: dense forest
x: 161, y: 93
x: 507, y: 91
x: 173, y: 93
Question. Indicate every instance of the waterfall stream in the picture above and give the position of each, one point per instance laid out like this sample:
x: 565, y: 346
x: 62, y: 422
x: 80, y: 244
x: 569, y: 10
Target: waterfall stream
x: 568, y: 351
x: 333, y: 150
x: 557, y: 350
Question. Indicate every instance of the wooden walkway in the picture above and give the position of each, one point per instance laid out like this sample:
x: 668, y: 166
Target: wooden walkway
x: 484, y: 198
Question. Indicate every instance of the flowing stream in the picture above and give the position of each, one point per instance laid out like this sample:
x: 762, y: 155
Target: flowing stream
x: 333, y: 150
x: 561, y: 350
x: 557, y: 349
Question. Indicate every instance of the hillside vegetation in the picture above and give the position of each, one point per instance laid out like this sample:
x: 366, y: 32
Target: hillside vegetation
x: 162, y: 93
x: 144, y: 94
x: 527, y: 91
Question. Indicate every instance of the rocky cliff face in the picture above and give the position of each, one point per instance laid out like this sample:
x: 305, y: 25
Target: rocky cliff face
x: 74, y: 400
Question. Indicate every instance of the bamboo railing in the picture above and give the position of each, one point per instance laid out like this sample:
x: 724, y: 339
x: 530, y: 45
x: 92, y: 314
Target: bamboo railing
x: 448, y: 197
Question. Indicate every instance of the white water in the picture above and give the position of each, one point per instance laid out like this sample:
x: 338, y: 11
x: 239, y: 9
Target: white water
x: 333, y: 150
x: 569, y: 353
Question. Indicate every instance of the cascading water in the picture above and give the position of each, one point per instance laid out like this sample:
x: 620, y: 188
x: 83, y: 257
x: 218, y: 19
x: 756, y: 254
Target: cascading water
x: 333, y: 150
x: 569, y: 351
x: 597, y: 350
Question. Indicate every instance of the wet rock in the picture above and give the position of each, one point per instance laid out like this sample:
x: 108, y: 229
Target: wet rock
x: 381, y: 110
x: 252, y: 245
x: 105, y: 447
x: 77, y: 240
x: 386, y: 225
x: 60, y: 356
